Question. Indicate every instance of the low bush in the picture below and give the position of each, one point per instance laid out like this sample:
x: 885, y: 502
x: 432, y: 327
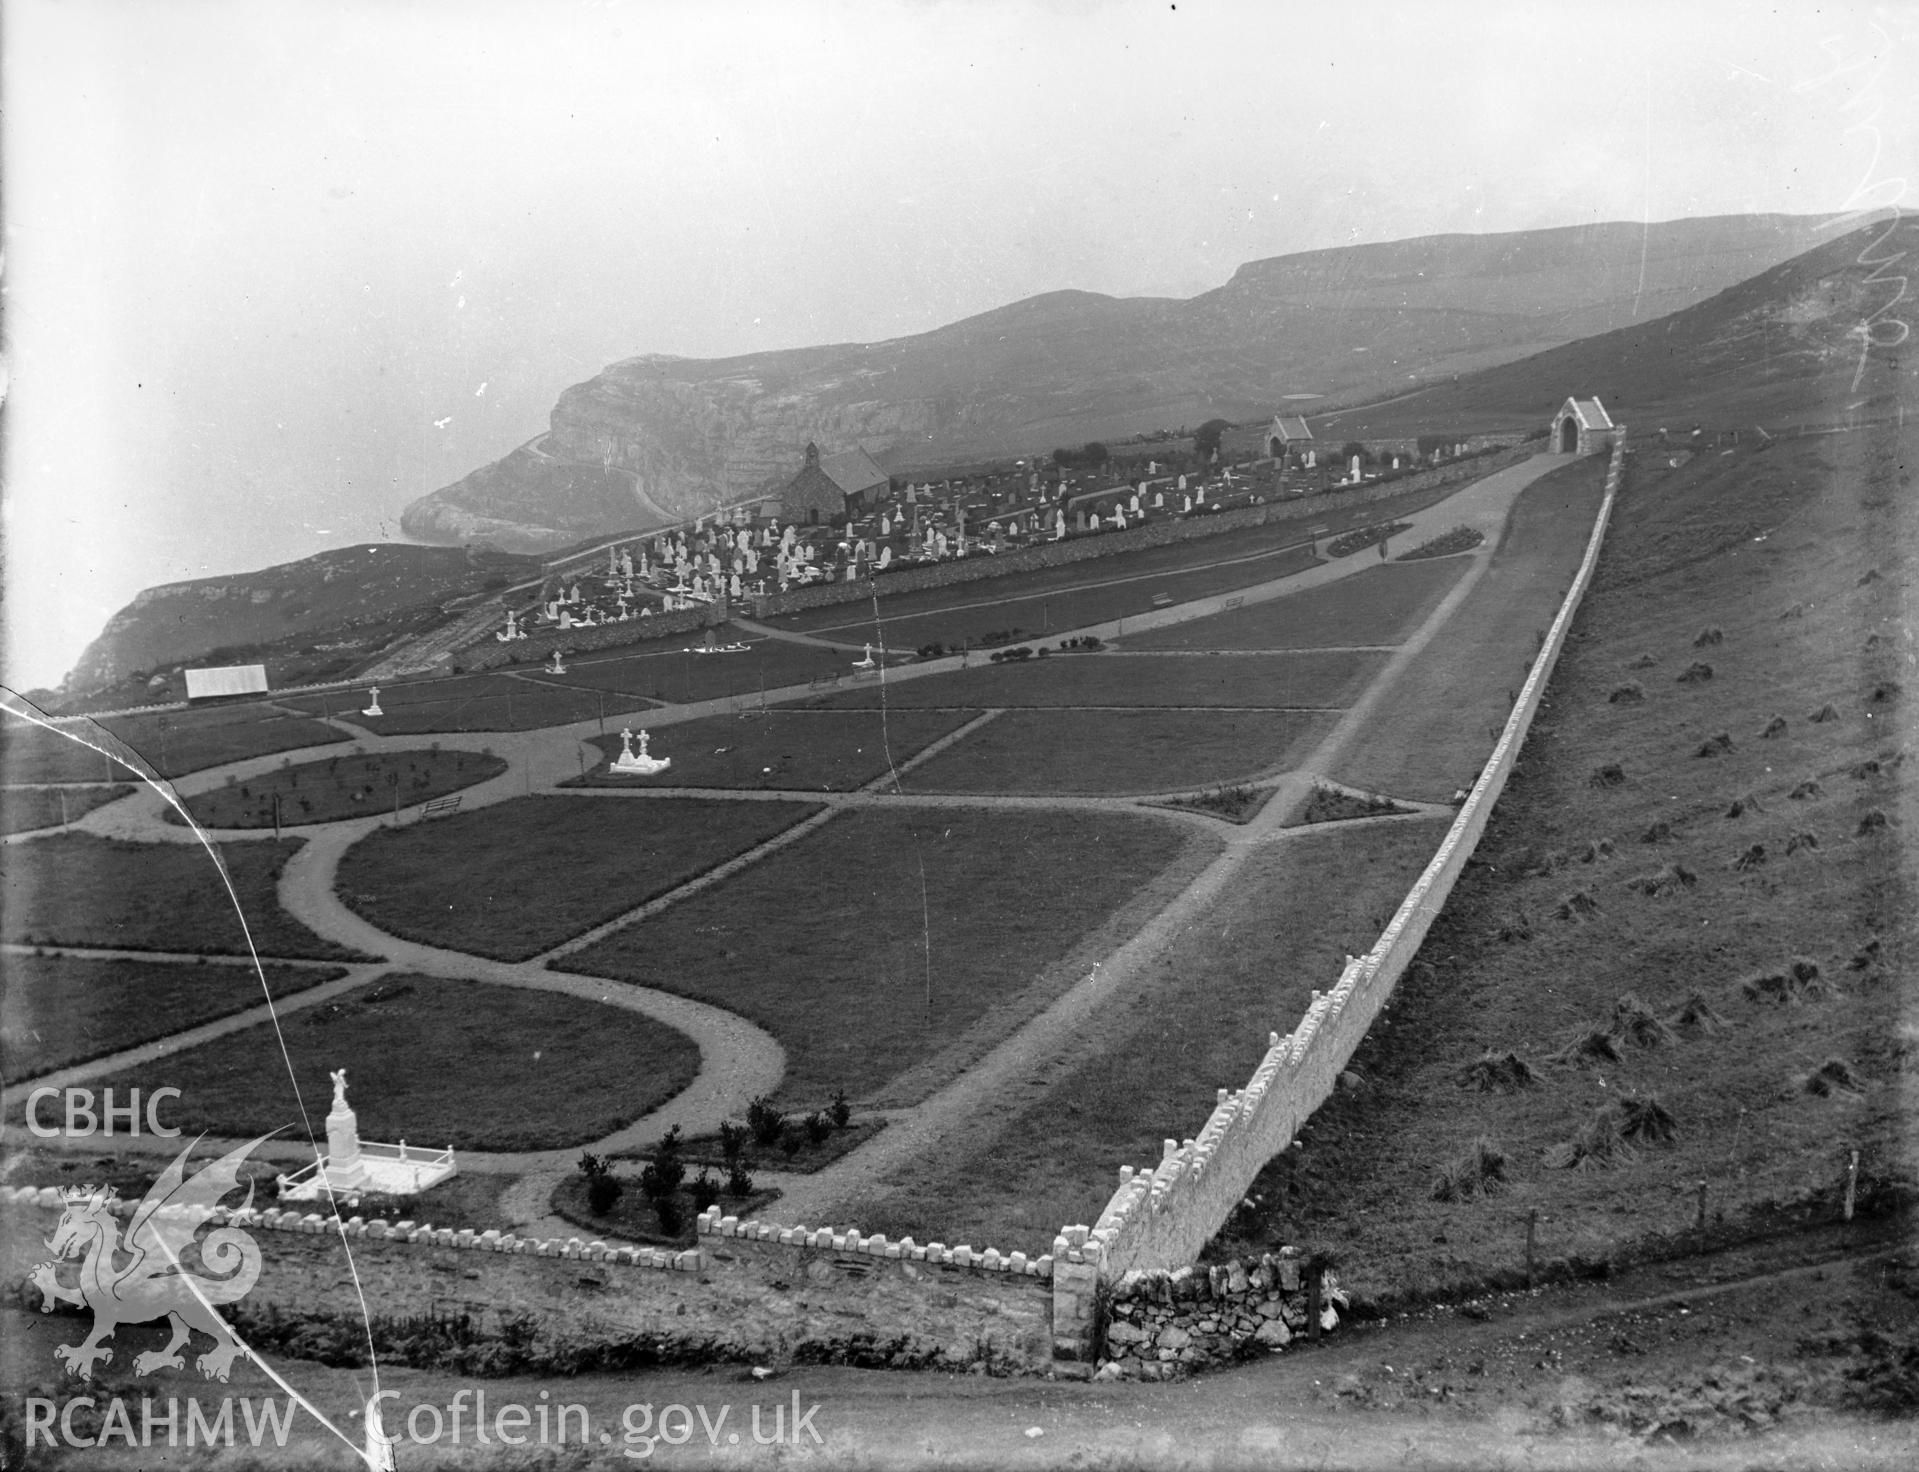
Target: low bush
x: 764, y: 1120
x: 1459, y: 539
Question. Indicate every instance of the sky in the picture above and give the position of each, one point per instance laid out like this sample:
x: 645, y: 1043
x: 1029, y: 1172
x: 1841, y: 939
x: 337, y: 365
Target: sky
x: 273, y: 270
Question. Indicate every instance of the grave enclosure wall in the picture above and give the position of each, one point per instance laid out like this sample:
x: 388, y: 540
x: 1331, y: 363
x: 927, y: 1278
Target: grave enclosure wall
x: 832, y: 1298
x: 1161, y: 1217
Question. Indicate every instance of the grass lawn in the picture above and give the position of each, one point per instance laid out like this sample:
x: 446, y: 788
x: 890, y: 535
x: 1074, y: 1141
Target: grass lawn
x: 176, y: 742
x: 814, y: 750
x: 58, y: 1010
x: 877, y: 941
x: 1727, y: 548
x: 468, y: 703
x: 79, y: 890
x: 1302, y: 680
x: 341, y: 787
x: 516, y: 878
x: 436, y: 1062
x: 1433, y: 729
x: 1244, y: 968
x: 1120, y: 751
x: 675, y: 676
x: 30, y: 753
x: 23, y: 809
x: 1381, y: 605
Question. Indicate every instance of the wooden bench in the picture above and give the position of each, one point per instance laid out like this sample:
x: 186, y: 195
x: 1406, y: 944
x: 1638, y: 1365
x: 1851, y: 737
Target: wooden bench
x: 441, y: 806
x: 1162, y: 600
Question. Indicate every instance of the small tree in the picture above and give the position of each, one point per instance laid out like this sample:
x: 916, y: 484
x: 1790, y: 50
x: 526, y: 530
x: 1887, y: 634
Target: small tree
x: 764, y: 1120
x: 739, y: 1184
x: 1206, y: 437
x: 665, y: 1171
x: 704, y: 1190
x: 842, y: 1111
x: 602, y: 1190
x: 732, y: 1140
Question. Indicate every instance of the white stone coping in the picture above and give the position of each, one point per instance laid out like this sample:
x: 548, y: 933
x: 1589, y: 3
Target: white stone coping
x: 712, y: 1223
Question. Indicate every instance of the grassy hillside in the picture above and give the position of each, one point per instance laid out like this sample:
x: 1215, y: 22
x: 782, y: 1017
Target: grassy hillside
x: 1778, y: 349
x: 1692, y: 894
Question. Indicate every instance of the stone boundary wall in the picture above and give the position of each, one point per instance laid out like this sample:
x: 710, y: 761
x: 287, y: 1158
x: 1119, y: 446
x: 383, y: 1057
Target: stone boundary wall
x: 747, y: 1291
x: 488, y: 653
x: 1162, y: 1324
x: 1081, y: 546
x: 1162, y: 1216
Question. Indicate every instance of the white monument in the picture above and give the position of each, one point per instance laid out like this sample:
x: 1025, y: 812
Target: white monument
x: 352, y: 1168
x: 637, y: 764
x: 867, y: 662
x: 557, y: 667
x: 373, y: 703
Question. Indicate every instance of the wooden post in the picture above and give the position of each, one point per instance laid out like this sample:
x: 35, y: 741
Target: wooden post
x: 1701, y: 1224
x: 63, y: 824
x: 1852, y: 1182
x: 393, y: 780
x: 1532, y: 1229
x: 276, y: 817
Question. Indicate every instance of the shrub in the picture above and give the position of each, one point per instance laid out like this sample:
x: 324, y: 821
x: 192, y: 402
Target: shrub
x: 1630, y: 693
x: 841, y: 1111
x: 739, y: 1184
x: 818, y: 1127
x: 791, y: 1138
x: 1481, y: 1171
x: 1707, y: 637
x: 704, y: 1190
x: 1696, y: 673
x: 1774, y: 727
x: 671, y: 1218
x: 1715, y: 745
x: 601, y: 1194
x: 1459, y: 539
x: 1611, y: 774
x: 661, y: 1178
x: 764, y: 1120
x: 732, y: 1141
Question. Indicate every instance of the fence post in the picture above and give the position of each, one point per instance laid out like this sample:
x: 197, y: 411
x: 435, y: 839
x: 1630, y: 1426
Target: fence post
x: 1532, y: 1229
x: 1702, y: 1207
x: 1852, y: 1182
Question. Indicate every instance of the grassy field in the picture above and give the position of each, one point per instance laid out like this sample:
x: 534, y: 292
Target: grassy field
x: 176, y: 742
x: 30, y: 753
x: 23, y: 809
x: 59, y: 1010
x: 675, y: 676
x: 1120, y: 751
x: 1314, y: 681
x: 878, y: 941
x: 79, y: 890
x: 1381, y: 605
x: 471, y: 703
x: 1189, y: 569
x: 518, y: 877
x: 1681, y: 882
x: 1433, y: 729
x: 1199, y: 1022
x: 812, y: 750
x: 338, y: 787
x: 425, y: 1058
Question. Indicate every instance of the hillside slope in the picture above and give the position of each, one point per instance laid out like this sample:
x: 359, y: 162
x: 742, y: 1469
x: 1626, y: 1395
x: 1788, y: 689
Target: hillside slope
x: 1070, y: 365
x: 1782, y: 347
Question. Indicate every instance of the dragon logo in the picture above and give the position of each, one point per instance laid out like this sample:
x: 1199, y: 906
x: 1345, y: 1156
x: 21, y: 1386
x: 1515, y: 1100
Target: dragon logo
x: 143, y: 1277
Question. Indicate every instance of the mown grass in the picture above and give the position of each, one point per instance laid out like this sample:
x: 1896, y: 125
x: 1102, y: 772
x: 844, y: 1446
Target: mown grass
x: 30, y: 753
x: 177, y: 742
x: 1198, y: 1022
x: 23, y: 809
x: 1119, y: 751
x: 58, y: 1010
x: 673, y: 675
x: 78, y: 890
x: 1381, y: 605
x: 436, y: 1062
x: 784, y: 749
x: 1314, y: 680
x: 1675, y: 930
x: 516, y: 878
x: 469, y: 703
x: 352, y: 786
x: 876, y: 942
x: 1434, y: 727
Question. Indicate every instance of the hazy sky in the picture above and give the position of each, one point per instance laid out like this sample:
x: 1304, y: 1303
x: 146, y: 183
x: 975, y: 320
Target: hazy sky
x: 273, y: 270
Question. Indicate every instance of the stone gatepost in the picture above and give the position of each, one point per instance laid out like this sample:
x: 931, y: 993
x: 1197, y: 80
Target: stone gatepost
x: 1078, y: 1332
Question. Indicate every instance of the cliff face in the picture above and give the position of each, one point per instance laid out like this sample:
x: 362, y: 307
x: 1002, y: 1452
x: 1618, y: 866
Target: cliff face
x: 656, y: 438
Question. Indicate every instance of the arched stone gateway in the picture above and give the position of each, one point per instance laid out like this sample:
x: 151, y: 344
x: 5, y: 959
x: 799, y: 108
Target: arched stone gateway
x: 1582, y: 427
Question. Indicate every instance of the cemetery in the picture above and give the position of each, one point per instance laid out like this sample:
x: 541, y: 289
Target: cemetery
x: 519, y: 877
x: 357, y: 785
x: 788, y: 748
x: 80, y: 890
x: 439, y: 1049
x: 892, y: 932
x: 129, y: 1002
x: 1116, y: 752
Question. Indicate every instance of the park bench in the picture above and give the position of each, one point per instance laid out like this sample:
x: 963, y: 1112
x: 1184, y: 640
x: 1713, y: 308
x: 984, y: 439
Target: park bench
x: 441, y: 806
x: 1162, y: 600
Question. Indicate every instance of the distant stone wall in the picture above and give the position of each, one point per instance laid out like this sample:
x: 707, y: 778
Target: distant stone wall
x: 745, y: 1293
x: 1162, y: 1216
x: 488, y: 653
